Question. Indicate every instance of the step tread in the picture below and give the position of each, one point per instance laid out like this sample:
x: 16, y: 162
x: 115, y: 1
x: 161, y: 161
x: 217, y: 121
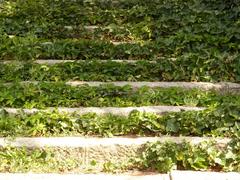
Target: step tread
x: 57, y: 61
x: 31, y: 176
x: 174, y: 175
x: 197, y: 175
x: 84, y: 142
x: 124, y: 111
x: 139, y: 84
x: 187, y: 85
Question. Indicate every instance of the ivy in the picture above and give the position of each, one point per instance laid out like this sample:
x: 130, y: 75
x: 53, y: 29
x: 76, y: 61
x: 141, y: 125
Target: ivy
x: 168, y: 156
x: 30, y: 47
x: 162, y: 157
x: 41, y: 95
x: 222, y: 121
x: 173, y: 27
x: 186, y: 68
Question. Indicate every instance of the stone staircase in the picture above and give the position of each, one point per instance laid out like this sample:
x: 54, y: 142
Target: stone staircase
x: 88, y: 128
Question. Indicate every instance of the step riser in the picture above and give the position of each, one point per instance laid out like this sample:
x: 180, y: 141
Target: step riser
x: 80, y: 153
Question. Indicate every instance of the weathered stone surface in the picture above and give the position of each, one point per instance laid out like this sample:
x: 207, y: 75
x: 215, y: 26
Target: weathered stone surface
x: 123, y: 111
x: 30, y: 176
x: 88, y: 142
x: 221, y: 86
x: 196, y: 175
x: 187, y: 85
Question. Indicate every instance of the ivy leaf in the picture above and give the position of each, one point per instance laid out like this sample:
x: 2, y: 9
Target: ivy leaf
x: 172, y: 126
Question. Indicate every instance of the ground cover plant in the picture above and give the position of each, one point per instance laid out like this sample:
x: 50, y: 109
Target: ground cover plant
x: 30, y: 47
x: 223, y: 121
x: 190, y: 67
x: 175, y: 40
x: 41, y: 95
x: 152, y: 19
x: 172, y: 27
x: 162, y: 157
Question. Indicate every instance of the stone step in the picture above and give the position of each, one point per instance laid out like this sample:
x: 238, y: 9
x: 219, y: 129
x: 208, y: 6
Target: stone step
x: 31, y: 176
x: 174, y: 175
x: 122, y: 111
x: 85, y: 150
x: 101, y: 144
x: 115, y: 43
x: 89, y: 155
x: 57, y: 61
x: 198, y: 175
x: 187, y: 85
x: 221, y: 86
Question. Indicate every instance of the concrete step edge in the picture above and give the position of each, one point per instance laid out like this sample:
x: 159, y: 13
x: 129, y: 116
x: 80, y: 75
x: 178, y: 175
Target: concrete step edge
x: 122, y: 111
x: 88, y: 142
x: 31, y: 176
x: 57, y: 61
x: 186, y: 85
x: 198, y: 175
x: 225, y: 86
x: 174, y: 175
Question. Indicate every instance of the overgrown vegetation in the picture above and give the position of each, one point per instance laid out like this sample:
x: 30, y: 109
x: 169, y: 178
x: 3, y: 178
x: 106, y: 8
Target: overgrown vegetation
x: 162, y: 157
x: 44, y: 94
x: 165, y: 157
x: 40, y: 161
x: 30, y: 47
x: 173, y: 27
x: 223, y: 121
x: 152, y: 19
x: 190, y: 40
x: 186, y: 68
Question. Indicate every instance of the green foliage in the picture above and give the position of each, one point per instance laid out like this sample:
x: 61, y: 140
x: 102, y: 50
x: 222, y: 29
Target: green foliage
x: 186, y: 68
x: 157, y: 18
x: 173, y: 28
x: 202, y: 35
x: 157, y: 156
x: 36, y: 160
x: 16, y: 47
x: 165, y: 157
x: 44, y: 94
x: 222, y: 121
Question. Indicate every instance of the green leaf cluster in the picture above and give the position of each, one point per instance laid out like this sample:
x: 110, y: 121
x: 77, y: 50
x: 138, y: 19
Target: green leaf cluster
x: 185, y: 68
x: 223, y: 121
x: 169, y: 28
x: 44, y: 94
x: 165, y: 157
